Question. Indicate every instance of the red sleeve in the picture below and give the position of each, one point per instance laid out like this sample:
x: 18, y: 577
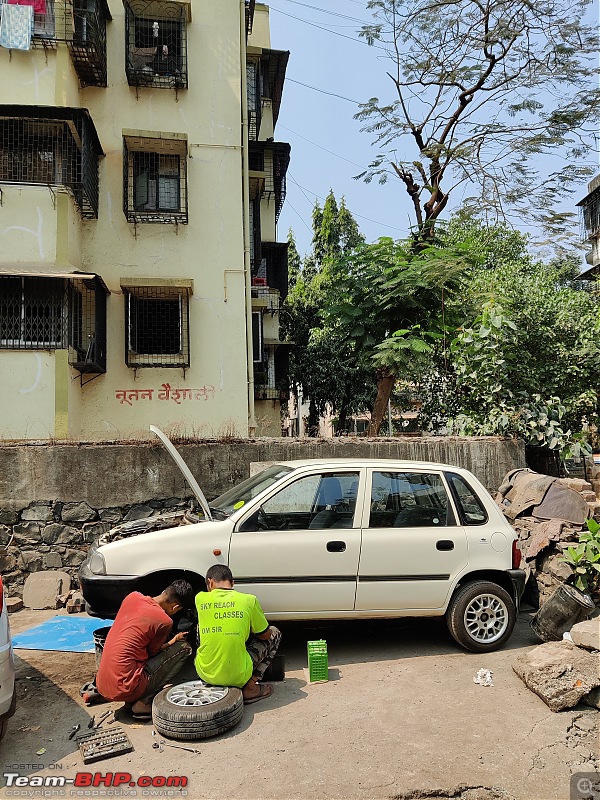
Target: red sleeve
x: 161, y: 635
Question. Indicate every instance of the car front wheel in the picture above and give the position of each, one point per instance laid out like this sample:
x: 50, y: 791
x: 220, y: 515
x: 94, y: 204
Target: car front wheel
x: 481, y: 616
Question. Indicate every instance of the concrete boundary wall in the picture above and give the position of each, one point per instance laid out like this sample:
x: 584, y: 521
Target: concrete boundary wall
x: 118, y: 474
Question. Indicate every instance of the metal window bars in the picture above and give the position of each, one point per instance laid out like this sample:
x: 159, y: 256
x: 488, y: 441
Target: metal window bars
x: 155, y: 180
x: 254, y: 98
x: 273, y: 159
x: 54, y: 147
x: 157, y: 326
x: 250, y: 4
x: 82, y: 25
x: 50, y: 313
x: 590, y: 216
x: 156, y: 44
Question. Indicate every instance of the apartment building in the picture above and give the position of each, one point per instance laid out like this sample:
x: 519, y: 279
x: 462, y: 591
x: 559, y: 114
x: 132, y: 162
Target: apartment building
x: 590, y: 219
x: 134, y: 281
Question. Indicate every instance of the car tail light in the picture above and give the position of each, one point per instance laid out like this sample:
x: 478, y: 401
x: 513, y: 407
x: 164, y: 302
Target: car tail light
x: 516, y: 555
x: 1, y: 595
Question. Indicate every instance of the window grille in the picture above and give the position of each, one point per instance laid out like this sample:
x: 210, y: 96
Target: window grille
x: 249, y: 15
x: 255, y: 243
x: 51, y: 146
x: 157, y: 326
x: 273, y: 66
x: 590, y: 215
x: 32, y: 313
x: 156, y: 44
x: 82, y: 25
x: 275, y: 263
x: 257, y: 337
x: 87, y: 325
x: 253, y: 80
x: 155, y: 184
x: 273, y: 158
x: 49, y: 313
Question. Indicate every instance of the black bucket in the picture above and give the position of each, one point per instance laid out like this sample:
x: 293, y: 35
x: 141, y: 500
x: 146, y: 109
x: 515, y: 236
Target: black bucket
x: 276, y: 669
x: 566, y: 606
x: 99, y: 639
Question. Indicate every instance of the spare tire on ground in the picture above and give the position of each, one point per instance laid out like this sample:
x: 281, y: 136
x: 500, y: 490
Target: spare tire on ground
x: 195, y: 710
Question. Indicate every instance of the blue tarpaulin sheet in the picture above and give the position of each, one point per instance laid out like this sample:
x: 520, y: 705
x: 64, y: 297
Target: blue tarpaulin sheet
x: 71, y: 634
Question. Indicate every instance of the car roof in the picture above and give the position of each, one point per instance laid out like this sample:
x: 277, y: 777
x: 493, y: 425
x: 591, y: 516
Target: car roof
x: 384, y: 463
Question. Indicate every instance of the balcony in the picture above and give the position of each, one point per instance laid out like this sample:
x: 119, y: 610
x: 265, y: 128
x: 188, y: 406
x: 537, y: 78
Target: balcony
x: 270, y: 160
x: 82, y: 25
x: 51, y: 146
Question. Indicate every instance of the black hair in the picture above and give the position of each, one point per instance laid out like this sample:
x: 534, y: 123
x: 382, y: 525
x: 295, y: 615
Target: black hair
x: 181, y: 592
x: 218, y: 573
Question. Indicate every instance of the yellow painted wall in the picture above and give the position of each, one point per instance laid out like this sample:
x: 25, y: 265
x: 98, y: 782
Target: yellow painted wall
x: 268, y: 418
x: 27, y: 394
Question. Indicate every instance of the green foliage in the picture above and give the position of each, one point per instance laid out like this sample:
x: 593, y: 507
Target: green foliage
x: 584, y: 559
x: 478, y: 92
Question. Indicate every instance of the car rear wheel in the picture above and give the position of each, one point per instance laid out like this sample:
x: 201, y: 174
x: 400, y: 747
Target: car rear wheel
x: 195, y: 710
x: 481, y: 616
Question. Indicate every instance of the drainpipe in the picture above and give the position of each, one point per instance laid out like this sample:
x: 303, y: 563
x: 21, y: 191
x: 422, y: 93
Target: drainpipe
x: 246, y: 216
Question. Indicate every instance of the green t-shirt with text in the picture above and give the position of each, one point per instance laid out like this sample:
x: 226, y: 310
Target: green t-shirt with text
x: 226, y: 619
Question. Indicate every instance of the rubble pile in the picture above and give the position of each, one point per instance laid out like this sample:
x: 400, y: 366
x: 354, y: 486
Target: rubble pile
x: 543, y: 533
x: 566, y: 672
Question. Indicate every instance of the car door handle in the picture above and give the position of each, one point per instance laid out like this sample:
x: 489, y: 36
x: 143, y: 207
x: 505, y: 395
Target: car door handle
x: 336, y: 547
x: 444, y: 544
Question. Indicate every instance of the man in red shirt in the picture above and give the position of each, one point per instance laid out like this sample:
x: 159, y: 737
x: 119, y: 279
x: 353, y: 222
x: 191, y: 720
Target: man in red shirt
x: 139, y: 659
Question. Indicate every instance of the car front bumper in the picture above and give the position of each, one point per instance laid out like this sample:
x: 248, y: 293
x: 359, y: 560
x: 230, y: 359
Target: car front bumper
x: 103, y: 594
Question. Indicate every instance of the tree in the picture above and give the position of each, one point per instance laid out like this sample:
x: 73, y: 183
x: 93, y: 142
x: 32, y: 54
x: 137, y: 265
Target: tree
x: 324, y: 365
x: 482, y: 87
x: 393, y: 305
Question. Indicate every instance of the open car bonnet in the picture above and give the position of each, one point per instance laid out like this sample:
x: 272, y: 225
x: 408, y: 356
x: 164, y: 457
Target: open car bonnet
x: 166, y: 519
x: 185, y: 470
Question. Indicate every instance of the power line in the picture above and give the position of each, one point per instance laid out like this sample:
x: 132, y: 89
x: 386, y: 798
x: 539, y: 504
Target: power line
x: 322, y: 91
x: 331, y: 152
x: 327, y: 30
x: 361, y: 216
x: 326, y: 11
x: 299, y: 215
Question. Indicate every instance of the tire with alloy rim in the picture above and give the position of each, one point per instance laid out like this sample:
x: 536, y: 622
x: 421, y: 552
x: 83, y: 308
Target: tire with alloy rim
x: 481, y: 616
x: 195, y: 710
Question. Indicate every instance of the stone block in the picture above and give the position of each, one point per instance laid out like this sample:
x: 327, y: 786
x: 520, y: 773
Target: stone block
x: 73, y: 558
x: 593, y: 698
x: 53, y: 561
x: 110, y: 515
x: 92, y: 530
x: 27, y: 532
x: 138, y: 512
x: 558, y: 569
x: 559, y: 672
x: 5, y: 534
x: 29, y: 560
x: 587, y: 634
x: 37, y: 512
x: 42, y: 589
x: 13, y: 604
x: 61, y: 534
x: 8, y: 517
x: 78, y: 512
x: 7, y: 562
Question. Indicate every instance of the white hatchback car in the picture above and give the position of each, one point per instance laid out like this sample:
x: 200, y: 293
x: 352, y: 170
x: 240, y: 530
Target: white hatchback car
x: 332, y: 539
x: 7, y: 668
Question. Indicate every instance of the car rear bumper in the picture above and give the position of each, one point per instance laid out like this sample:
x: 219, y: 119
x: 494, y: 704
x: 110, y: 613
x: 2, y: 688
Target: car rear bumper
x: 7, y: 682
x: 103, y: 594
x: 517, y: 577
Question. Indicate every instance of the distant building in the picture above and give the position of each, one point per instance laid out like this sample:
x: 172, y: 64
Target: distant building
x: 140, y: 274
x: 590, y: 208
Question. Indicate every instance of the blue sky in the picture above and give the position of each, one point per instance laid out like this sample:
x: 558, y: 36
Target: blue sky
x: 328, y: 148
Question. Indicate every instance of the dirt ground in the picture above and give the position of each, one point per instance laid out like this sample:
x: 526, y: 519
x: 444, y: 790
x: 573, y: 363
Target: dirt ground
x: 399, y: 718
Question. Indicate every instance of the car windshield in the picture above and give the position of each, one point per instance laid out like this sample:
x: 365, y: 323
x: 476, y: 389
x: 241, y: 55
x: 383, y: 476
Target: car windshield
x: 237, y: 497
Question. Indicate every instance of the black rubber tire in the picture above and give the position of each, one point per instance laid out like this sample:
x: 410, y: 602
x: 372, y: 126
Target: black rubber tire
x: 458, y: 606
x: 197, y: 722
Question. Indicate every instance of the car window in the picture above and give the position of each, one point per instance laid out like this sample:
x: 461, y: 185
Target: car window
x: 469, y: 505
x: 236, y: 498
x: 313, y: 502
x: 409, y: 500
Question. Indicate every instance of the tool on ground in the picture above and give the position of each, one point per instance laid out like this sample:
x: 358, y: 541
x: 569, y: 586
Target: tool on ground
x: 74, y: 730
x: 97, y: 745
x: 91, y: 722
x: 179, y: 747
x: 102, y: 717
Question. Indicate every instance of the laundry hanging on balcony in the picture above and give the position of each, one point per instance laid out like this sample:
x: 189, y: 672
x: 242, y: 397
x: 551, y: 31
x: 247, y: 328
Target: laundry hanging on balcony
x: 39, y: 6
x: 16, y: 26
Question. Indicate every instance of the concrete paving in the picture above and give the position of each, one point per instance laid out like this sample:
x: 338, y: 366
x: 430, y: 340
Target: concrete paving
x: 399, y: 718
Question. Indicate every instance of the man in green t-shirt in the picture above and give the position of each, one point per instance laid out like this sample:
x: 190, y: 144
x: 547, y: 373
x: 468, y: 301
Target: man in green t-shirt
x: 236, y: 642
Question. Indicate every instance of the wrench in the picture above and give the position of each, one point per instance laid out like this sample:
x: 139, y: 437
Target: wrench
x: 180, y: 747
